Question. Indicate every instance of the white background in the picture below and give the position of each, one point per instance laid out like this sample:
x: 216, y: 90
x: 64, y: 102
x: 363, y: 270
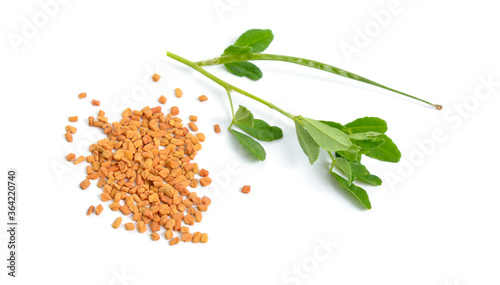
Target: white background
x: 434, y: 220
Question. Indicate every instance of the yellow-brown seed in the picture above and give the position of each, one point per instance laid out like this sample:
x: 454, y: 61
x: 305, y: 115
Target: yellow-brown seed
x: 193, y: 118
x: 174, y: 110
x: 202, y: 208
x: 90, y: 210
x: 98, y: 209
x: 206, y: 201
x: 184, y: 230
x: 80, y: 159
x: 69, y: 137
x: 193, y: 126
x: 85, y: 184
x: 70, y: 129
x: 156, y: 77
x: 114, y: 206
x: 155, y: 236
x: 196, y: 237
x: 203, y: 98
x: 216, y: 128
x: 198, y: 216
x: 125, y: 210
x: 205, y: 181
x: 96, y: 102
x: 178, y: 92
x: 117, y: 222
x: 245, y: 189
x: 82, y: 95
x: 162, y: 99
x: 70, y: 157
x: 130, y: 226
x: 174, y: 241
x: 169, y: 234
x: 141, y: 226
x: 187, y: 237
x: 73, y: 119
x: 204, y: 238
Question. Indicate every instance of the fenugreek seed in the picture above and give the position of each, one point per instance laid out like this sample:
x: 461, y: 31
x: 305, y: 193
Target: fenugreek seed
x: 85, y: 184
x: 114, y: 206
x: 198, y: 216
x: 187, y: 237
x: 69, y: 137
x: 141, y: 226
x: 162, y: 99
x: 174, y: 110
x: 193, y: 118
x: 70, y: 157
x: 156, y: 77
x: 82, y: 95
x: 205, y: 181
x: 178, y: 93
x: 117, y: 222
x: 152, y: 198
x: 184, y: 230
x: 130, y: 226
x: 193, y: 126
x: 105, y: 197
x: 155, y: 236
x: 70, y: 129
x: 174, y: 241
x: 90, y: 210
x: 203, y: 172
x: 216, y: 128
x: 98, y: 209
x: 245, y: 189
x: 80, y: 159
x: 73, y: 119
x: 203, y: 98
x: 91, y: 121
x: 96, y: 102
x: 125, y: 210
x: 206, y: 201
x: 137, y: 217
x: 204, y: 238
x: 170, y: 224
x: 196, y: 237
x: 189, y: 220
x: 169, y: 234
x: 202, y: 208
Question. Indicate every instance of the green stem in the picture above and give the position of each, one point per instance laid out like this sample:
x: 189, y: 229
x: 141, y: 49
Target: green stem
x: 226, y: 85
x: 232, y: 108
x: 333, y: 161
x: 305, y: 62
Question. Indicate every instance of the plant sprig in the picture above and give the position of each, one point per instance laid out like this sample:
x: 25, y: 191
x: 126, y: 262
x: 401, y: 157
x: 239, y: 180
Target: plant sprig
x: 345, y: 144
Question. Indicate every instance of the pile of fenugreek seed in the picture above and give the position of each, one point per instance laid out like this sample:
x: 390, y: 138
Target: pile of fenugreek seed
x: 144, y: 167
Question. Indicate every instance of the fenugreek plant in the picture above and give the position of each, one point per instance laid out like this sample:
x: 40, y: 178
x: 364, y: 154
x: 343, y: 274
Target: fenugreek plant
x: 345, y: 144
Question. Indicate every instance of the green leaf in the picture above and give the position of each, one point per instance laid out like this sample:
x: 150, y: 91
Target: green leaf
x: 307, y: 143
x: 352, y: 153
x: 367, y: 145
x: 328, y: 138
x: 344, y: 165
x: 334, y: 125
x: 230, y: 50
x: 364, y: 136
x: 244, y: 117
x: 387, y: 152
x: 252, y: 145
x: 244, y: 69
x: 360, y: 172
x: 366, y: 124
x: 257, y: 39
x: 358, y: 192
x: 262, y: 131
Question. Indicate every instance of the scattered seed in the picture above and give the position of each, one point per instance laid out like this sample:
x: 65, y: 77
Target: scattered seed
x: 96, y: 102
x: 73, y: 119
x: 80, y: 159
x: 205, y: 181
x: 187, y: 237
x: 70, y: 129
x: 174, y: 241
x: 156, y: 77
x: 162, y: 99
x: 174, y: 111
x: 204, y: 238
x: 82, y: 95
x: 130, y: 226
x: 85, y: 184
x: 90, y: 210
x: 193, y: 126
x: 70, y: 157
x: 216, y: 128
x: 169, y: 234
x: 98, y: 209
x: 69, y: 137
x: 245, y: 189
x: 178, y: 92
x: 193, y: 118
x: 203, y: 98
x: 203, y: 172
x: 206, y: 201
x: 196, y: 237
x: 155, y: 236
x: 117, y: 222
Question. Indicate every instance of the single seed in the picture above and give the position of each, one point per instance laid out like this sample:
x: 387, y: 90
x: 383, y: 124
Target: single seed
x: 69, y: 137
x: 205, y: 181
x: 70, y: 157
x: 198, y: 216
x: 187, y: 237
x: 114, y: 206
x: 193, y: 118
x: 202, y: 208
x: 85, y: 184
x: 141, y: 226
x: 73, y: 119
x: 90, y: 210
x: 96, y: 102
x: 203, y: 98
x: 105, y: 197
x: 203, y: 172
x: 155, y: 236
x: 130, y: 226
x: 162, y: 99
x: 169, y: 234
x: 174, y: 241
x: 117, y: 222
x: 204, y: 238
x: 206, y: 201
x: 196, y: 237
x: 178, y: 92
x: 98, y: 209
x: 91, y: 121
x: 70, y: 129
x: 193, y: 126
x: 125, y: 210
x: 216, y: 128
x: 82, y: 95
x: 245, y: 189
x: 174, y: 110
x: 156, y: 77
x: 80, y: 159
